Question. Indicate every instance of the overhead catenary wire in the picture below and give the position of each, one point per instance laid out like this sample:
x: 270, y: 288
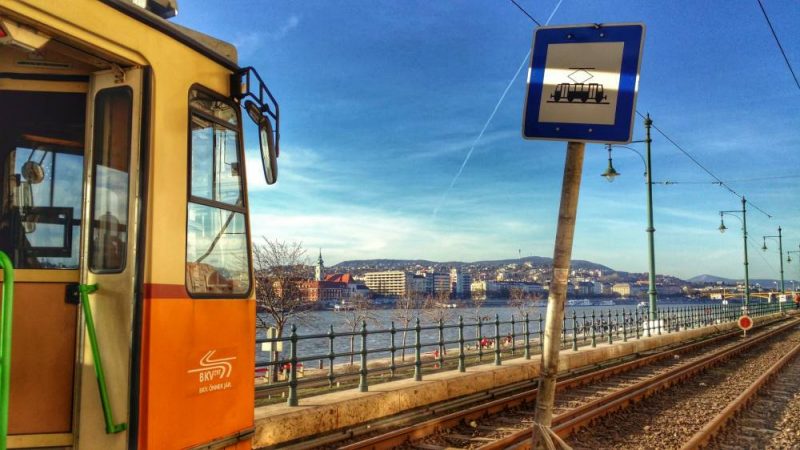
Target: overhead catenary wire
x: 717, y: 179
x: 778, y: 41
x: 526, y: 13
x: 760, y: 253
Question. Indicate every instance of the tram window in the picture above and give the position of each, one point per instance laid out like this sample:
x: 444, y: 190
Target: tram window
x: 41, y: 214
x: 215, y: 163
x: 217, y: 261
x: 216, y: 251
x: 216, y: 108
x: 110, y: 162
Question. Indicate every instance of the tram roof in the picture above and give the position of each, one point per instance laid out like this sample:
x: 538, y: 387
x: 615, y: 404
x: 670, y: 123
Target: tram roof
x: 215, y: 49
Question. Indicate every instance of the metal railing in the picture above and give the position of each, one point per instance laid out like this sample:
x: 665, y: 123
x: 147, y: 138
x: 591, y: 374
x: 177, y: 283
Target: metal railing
x: 6, y: 317
x: 454, y: 346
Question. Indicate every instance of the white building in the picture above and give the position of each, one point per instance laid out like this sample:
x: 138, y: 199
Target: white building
x: 392, y: 282
x: 460, y: 283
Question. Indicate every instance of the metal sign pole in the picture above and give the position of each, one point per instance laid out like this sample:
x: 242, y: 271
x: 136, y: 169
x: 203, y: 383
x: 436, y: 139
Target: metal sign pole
x: 558, y: 288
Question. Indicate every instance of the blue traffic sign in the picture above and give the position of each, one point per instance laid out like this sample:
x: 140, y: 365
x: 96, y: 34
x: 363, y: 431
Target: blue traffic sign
x: 582, y: 82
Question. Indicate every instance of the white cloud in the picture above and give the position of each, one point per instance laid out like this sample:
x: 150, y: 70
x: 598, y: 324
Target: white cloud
x: 248, y: 42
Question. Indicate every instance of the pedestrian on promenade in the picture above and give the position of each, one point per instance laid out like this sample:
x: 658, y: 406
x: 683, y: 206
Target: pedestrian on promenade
x: 797, y: 300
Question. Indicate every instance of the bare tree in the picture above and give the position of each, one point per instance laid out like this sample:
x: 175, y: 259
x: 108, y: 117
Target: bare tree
x: 521, y: 300
x: 406, y: 311
x: 357, y: 311
x: 477, y: 303
x: 437, y: 309
x: 279, y: 271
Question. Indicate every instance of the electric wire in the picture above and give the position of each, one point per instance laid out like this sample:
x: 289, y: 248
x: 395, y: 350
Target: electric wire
x: 526, y: 13
x: 777, y: 41
x: 760, y: 253
x: 700, y: 165
x: 719, y: 181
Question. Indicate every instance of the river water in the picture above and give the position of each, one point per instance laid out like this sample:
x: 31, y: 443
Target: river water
x: 316, y: 326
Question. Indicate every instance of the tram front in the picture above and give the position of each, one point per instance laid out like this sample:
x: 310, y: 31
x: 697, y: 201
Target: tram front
x: 124, y: 209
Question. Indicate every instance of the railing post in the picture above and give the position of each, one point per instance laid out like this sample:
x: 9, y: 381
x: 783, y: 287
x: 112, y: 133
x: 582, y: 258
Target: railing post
x: 480, y: 339
x: 564, y: 332
x: 441, y: 344
x: 541, y: 334
x: 362, y: 381
x: 513, y: 336
x: 646, y: 319
x: 461, y: 355
x: 616, y: 321
x: 526, y: 330
x: 624, y: 327
x: 393, y: 347
x: 497, y: 339
x: 418, y: 352
x: 331, y: 357
x: 574, y: 331
x: 594, y: 332
x: 658, y: 321
x: 610, y: 334
x: 636, y: 321
x: 583, y: 328
x: 292, y: 401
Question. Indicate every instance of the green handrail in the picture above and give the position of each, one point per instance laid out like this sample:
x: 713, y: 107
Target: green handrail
x: 5, y: 344
x: 111, y: 426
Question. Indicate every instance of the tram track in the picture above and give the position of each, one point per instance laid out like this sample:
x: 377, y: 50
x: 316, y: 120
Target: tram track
x: 673, y: 418
x: 765, y: 415
x: 503, y: 422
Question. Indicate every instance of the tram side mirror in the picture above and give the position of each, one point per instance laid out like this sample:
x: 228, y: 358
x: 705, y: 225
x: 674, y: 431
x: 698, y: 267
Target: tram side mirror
x: 266, y: 141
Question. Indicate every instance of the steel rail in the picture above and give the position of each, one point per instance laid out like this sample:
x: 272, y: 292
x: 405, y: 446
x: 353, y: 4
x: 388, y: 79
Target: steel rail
x: 564, y: 424
x: 711, y: 429
x: 423, y: 429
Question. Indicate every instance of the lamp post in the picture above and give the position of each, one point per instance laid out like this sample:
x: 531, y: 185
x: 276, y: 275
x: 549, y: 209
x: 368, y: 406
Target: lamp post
x: 722, y: 229
x: 780, y: 257
x: 789, y: 261
x: 610, y: 174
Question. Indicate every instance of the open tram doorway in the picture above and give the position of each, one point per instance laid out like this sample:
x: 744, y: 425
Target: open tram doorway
x: 41, y: 182
x: 69, y: 158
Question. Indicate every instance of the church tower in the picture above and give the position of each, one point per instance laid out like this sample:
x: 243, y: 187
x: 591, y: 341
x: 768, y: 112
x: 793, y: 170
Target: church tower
x: 319, y: 272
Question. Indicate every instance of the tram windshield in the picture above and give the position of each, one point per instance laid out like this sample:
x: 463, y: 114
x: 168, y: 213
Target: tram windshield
x: 43, y: 208
x: 41, y: 178
x: 217, y: 261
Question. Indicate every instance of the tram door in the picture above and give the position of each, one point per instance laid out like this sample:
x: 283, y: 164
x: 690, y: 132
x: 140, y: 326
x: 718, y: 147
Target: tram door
x: 108, y: 249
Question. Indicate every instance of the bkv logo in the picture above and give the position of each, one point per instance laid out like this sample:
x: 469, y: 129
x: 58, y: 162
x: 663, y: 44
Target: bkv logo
x: 213, y: 369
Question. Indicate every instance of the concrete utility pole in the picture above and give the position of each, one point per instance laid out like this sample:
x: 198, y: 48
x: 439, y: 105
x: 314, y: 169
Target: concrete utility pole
x: 558, y: 289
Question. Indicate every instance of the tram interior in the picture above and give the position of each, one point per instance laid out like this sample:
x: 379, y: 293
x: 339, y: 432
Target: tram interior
x: 41, y: 150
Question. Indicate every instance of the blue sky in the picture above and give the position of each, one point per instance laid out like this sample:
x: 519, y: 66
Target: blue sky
x: 381, y: 102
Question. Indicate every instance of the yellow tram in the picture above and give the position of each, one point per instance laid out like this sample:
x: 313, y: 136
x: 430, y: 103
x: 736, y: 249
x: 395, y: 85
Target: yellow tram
x: 125, y: 213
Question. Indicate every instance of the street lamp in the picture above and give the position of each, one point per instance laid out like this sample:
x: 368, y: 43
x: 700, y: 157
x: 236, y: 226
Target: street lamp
x: 610, y: 174
x: 722, y: 229
x: 789, y: 261
x: 780, y: 251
